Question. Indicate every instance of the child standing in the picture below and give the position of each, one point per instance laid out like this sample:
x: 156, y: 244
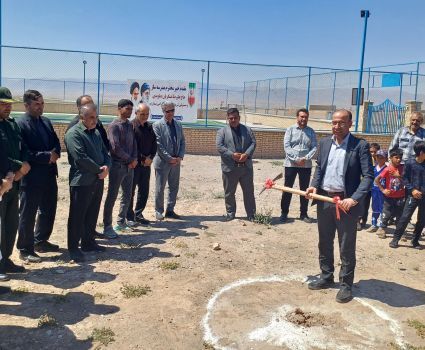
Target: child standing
x: 393, y: 190
x: 377, y: 195
x: 414, y: 179
x: 361, y: 224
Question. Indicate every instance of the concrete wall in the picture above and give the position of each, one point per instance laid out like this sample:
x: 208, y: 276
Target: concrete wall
x: 269, y: 142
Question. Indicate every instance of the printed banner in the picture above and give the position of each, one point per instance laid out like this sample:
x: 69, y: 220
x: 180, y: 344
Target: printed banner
x: 155, y: 92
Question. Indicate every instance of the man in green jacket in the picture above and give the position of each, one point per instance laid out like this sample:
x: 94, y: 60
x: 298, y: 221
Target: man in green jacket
x: 17, y: 154
x: 90, y: 162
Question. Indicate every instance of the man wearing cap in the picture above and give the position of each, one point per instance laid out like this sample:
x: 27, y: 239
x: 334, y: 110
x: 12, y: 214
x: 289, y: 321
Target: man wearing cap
x: 124, y: 160
x: 17, y: 154
x: 39, y: 189
x: 82, y: 101
x: 236, y: 144
x: 171, y: 147
x: 90, y: 162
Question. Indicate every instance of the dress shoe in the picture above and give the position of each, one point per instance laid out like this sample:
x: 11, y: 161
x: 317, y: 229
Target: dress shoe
x: 3, y: 276
x: 10, y: 267
x: 416, y: 245
x: 76, y: 255
x: 4, y: 290
x: 46, y: 247
x: 283, y: 219
x: 172, y: 215
x: 143, y: 221
x: 230, y: 216
x: 98, y: 235
x: 93, y: 247
x: 29, y: 257
x: 344, y: 294
x: 393, y: 243
x: 321, y: 284
x: 306, y: 219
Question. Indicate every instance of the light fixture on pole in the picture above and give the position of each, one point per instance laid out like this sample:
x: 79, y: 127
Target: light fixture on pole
x: 84, y: 77
x: 364, y: 14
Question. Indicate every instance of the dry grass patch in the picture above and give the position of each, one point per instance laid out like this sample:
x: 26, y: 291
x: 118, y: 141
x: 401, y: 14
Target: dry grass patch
x: 104, y: 336
x: 169, y: 265
x: 47, y: 320
x: 134, y: 291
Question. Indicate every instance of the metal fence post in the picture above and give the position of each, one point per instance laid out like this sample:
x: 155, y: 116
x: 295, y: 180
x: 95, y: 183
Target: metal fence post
x: 255, y: 99
x: 307, y: 102
x: 417, y: 80
x: 24, y: 87
x: 243, y: 97
x: 286, y: 92
x: 268, y: 98
x: 401, y: 88
x: 202, y: 88
x: 333, y: 91
x: 103, y: 91
x: 368, y: 81
x: 64, y: 89
x: 208, y: 88
x: 98, y: 83
x: 227, y: 97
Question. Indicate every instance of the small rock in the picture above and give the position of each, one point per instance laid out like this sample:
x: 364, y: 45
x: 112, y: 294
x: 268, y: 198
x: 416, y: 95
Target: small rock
x: 49, y: 332
x: 59, y: 271
x: 216, y: 246
x: 150, y: 255
x: 230, y: 260
x: 177, y: 255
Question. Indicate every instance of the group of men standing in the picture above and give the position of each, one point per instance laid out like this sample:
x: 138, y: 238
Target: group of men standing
x: 30, y: 148
x: 29, y: 151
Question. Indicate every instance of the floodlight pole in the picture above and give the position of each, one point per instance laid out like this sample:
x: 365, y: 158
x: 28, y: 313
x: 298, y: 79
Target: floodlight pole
x: 364, y: 14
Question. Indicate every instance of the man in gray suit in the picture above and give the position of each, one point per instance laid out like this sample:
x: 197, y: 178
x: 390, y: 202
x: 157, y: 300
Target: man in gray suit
x: 236, y: 145
x: 171, y: 147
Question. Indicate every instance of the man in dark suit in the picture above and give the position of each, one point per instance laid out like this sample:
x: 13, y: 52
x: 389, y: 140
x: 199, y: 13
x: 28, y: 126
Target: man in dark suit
x: 236, y: 145
x: 39, y: 189
x: 86, y: 100
x: 344, y: 169
x: 171, y: 146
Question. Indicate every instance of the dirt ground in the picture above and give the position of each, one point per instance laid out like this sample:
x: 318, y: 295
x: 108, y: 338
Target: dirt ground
x: 250, y: 294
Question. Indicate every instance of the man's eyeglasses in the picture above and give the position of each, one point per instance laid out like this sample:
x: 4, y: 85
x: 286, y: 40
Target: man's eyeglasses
x: 170, y: 111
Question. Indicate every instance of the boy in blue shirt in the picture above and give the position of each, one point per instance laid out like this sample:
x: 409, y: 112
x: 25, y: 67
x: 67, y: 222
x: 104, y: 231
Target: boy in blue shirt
x: 377, y: 196
x: 414, y: 180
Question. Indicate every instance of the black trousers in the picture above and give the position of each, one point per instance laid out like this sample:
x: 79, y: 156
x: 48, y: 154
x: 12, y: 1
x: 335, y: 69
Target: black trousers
x: 393, y: 207
x: 83, y: 213
x: 245, y: 177
x: 366, y: 206
x: 304, y: 180
x: 142, y: 175
x: 409, y: 208
x: 9, y: 212
x: 347, y: 233
x: 36, y: 199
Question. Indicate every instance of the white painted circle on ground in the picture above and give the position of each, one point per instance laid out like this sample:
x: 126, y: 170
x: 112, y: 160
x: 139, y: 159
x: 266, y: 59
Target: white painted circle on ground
x: 279, y: 332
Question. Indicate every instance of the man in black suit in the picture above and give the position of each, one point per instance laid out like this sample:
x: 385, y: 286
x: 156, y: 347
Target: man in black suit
x: 87, y: 100
x: 39, y: 189
x: 344, y: 169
